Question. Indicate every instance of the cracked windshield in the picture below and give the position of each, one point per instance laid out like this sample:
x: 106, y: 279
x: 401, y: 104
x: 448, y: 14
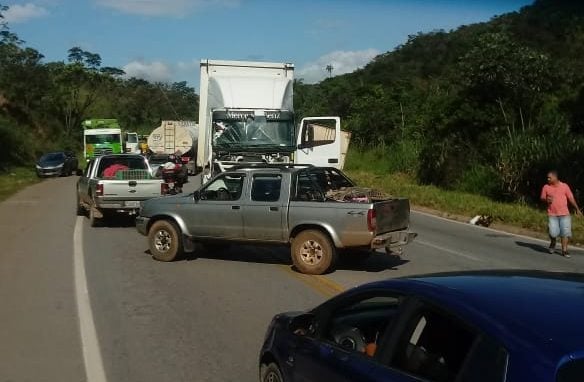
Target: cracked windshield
x: 301, y: 191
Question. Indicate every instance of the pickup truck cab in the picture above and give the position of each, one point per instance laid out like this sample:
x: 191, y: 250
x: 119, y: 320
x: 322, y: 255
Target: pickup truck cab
x: 115, y: 184
x: 280, y: 205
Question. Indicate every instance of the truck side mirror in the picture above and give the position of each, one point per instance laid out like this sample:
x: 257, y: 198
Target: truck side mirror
x: 79, y: 172
x: 197, y: 195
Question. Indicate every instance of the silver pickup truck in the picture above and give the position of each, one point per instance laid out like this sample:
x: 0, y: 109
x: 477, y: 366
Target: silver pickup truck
x: 115, y: 184
x: 295, y: 205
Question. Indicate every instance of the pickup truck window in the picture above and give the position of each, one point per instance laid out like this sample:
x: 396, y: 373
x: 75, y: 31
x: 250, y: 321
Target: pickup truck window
x: 108, y: 167
x: 266, y: 188
x: 307, y: 188
x: 226, y: 187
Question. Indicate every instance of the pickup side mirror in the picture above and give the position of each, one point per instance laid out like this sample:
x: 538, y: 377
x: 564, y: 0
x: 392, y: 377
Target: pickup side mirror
x: 79, y: 172
x: 197, y: 195
x: 303, y: 324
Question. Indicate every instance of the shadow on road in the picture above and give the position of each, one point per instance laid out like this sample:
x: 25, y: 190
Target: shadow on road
x: 117, y: 221
x: 535, y: 247
x: 358, y: 262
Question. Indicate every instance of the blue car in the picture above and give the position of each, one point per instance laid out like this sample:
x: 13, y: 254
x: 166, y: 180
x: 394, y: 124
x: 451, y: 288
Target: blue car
x: 462, y: 327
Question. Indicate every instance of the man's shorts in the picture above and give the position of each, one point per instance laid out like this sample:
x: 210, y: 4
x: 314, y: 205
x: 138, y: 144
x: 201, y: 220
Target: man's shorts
x: 560, y: 226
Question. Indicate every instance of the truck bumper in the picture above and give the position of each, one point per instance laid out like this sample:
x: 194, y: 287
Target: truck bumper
x: 393, y: 239
x: 142, y: 225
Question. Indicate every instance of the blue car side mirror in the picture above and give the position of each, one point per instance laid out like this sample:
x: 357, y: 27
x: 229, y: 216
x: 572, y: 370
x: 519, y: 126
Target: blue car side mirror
x: 303, y: 324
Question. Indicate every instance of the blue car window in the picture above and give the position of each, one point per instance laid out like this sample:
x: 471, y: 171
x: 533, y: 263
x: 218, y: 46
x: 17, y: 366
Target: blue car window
x: 434, y: 347
x: 361, y: 325
x: 571, y: 371
x: 486, y: 363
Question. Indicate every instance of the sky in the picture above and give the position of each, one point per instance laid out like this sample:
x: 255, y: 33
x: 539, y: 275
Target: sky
x: 164, y: 40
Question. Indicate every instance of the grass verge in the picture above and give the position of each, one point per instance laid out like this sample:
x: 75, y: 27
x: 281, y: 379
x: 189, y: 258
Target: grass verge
x: 15, y: 180
x: 465, y: 205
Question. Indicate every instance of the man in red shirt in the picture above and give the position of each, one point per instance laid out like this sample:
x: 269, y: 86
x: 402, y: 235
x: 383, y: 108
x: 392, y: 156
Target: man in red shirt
x: 557, y: 195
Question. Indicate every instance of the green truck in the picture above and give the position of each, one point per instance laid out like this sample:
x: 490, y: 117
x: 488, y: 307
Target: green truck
x: 101, y: 137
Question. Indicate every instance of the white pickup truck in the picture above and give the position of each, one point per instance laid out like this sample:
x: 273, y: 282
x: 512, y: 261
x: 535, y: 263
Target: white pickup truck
x: 116, y: 184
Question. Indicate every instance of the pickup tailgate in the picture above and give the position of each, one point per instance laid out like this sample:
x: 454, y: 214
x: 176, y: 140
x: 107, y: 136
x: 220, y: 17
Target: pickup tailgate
x: 131, y: 190
x: 392, y: 215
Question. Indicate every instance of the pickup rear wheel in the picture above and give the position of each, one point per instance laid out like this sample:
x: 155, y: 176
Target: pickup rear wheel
x: 164, y: 240
x: 313, y: 252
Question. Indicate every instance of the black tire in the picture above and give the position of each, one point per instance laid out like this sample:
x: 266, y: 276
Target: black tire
x: 165, y: 241
x: 271, y: 373
x: 80, y: 208
x: 313, y: 252
x: 94, y: 221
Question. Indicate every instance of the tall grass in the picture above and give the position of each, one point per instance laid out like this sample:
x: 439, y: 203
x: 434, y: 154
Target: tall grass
x: 16, y: 179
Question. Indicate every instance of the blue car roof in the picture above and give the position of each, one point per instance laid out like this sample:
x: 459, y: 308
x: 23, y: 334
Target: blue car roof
x: 540, y: 311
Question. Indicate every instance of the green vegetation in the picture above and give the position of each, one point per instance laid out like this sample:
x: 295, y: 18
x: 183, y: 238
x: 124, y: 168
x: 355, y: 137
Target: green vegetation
x: 485, y: 109
x: 42, y: 104
x: 14, y: 180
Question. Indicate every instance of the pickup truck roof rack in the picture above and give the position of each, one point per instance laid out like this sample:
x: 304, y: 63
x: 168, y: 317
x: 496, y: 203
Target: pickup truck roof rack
x: 269, y: 165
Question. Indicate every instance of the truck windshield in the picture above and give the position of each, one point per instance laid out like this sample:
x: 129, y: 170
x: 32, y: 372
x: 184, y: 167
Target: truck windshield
x: 102, y: 138
x: 246, y: 132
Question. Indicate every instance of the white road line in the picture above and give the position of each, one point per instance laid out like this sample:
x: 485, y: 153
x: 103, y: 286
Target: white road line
x: 91, y: 354
x: 447, y: 250
x: 574, y: 248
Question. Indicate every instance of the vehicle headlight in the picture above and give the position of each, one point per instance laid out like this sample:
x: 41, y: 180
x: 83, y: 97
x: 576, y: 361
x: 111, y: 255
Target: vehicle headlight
x: 38, y: 167
x: 59, y: 166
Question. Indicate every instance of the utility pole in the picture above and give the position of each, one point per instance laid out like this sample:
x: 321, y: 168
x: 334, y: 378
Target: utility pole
x: 329, y: 68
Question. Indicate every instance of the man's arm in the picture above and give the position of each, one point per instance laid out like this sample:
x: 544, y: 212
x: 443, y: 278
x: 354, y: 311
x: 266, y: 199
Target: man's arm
x: 543, y: 196
x: 573, y: 202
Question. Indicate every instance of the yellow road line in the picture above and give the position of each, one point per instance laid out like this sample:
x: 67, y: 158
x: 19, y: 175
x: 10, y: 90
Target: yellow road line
x: 321, y: 284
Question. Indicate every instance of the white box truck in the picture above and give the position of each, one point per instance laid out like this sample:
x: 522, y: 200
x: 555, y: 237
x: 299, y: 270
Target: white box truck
x: 246, y: 115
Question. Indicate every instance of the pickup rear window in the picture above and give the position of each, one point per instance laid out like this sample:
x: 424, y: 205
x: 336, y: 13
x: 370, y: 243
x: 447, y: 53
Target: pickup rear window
x: 111, y: 168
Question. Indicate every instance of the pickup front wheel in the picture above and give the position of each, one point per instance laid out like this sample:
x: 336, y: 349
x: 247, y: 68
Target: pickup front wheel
x: 164, y: 240
x: 313, y: 252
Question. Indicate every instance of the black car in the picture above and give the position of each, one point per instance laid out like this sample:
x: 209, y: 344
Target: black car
x: 61, y: 163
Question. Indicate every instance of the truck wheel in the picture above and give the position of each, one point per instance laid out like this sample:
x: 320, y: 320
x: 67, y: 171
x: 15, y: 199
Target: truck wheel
x: 313, y: 252
x: 164, y: 240
x: 80, y: 209
x: 94, y: 221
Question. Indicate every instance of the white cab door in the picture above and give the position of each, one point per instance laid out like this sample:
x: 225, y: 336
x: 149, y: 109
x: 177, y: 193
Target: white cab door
x: 319, y: 142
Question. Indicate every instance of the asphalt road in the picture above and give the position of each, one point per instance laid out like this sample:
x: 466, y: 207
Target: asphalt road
x: 80, y: 303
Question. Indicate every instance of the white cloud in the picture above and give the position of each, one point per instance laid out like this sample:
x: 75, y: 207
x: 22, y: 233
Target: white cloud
x: 162, y: 7
x: 342, y: 61
x: 155, y: 71
x: 22, y: 13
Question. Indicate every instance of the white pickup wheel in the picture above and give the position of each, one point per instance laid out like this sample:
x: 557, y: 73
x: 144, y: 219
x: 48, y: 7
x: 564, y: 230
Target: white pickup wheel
x: 164, y: 240
x: 313, y: 252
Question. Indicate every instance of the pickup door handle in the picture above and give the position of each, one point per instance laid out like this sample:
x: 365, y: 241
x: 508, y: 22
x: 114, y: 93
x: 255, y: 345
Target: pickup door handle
x: 274, y: 209
x: 235, y: 207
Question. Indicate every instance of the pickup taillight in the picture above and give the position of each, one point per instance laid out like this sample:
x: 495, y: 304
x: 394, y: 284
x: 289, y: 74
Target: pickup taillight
x: 164, y: 188
x: 371, y: 220
x: 99, y: 190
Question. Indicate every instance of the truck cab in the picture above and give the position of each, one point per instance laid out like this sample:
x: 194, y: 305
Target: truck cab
x: 246, y: 115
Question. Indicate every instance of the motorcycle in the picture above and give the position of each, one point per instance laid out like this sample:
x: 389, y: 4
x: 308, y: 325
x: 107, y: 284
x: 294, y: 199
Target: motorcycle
x: 172, y: 176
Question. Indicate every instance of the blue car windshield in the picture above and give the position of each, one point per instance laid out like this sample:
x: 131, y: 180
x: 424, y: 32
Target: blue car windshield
x: 52, y: 157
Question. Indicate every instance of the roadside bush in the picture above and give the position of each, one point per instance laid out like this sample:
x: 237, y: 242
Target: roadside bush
x: 400, y: 157
x: 480, y: 179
